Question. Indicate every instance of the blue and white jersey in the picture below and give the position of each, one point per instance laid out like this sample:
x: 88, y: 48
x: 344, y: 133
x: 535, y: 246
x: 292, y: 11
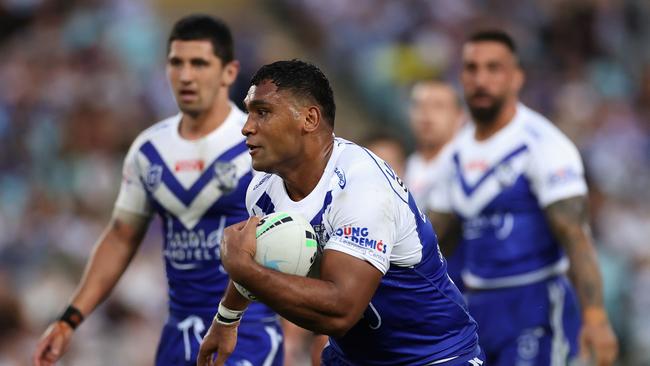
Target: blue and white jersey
x: 361, y: 208
x: 422, y: 176
x: 198, y: 188
x: 499, y: 188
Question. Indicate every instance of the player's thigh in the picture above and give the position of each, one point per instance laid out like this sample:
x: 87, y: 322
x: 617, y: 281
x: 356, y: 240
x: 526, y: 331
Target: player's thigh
x: 533, y: 347
x: 541, y: 317
x: 258, y: 344
x: 173, y: 348
x: 540, y: 346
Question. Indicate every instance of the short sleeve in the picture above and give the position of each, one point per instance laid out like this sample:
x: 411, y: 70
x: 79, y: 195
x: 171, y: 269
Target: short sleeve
x: 556, y: 171
x: 255, y: 194
x: 439, y: 198
x: 363, y: 223
x: 133, y: 195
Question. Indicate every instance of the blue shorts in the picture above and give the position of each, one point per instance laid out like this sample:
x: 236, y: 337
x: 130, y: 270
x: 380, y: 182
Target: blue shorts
x: 533, y: 325
x: 258, y: 342
x: 330, y: 357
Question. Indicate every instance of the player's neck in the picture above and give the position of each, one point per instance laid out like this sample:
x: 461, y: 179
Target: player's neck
x: 429, y: 152
x: 194, y: 127
x: 485, y: 130
x: 301, y: 178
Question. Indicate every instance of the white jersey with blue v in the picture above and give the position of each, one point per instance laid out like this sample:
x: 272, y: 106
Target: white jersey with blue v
x: 499, y: 187
x: 198, y: 188
x: 361, y: 208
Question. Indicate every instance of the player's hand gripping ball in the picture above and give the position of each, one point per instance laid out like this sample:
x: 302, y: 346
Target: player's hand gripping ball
x: 286, y: 242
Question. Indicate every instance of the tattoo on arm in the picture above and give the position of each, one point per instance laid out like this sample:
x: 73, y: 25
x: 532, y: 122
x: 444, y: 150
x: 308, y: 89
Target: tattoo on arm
x: 448, y: 229
x: 569, y: 221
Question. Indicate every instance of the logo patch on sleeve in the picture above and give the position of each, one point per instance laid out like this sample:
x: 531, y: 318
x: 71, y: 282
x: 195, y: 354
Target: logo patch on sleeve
x: 563, y: 175
x: 360, y: 236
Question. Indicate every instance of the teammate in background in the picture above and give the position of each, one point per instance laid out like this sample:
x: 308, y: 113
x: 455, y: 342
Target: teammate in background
x: 516, y: 190
x: 383, y: 295
x: 192, y: 170
x: 390, y: 149
x: 435, y: 116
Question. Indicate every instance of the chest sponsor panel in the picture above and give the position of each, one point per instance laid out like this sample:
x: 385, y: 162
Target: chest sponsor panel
x: 188, y: 249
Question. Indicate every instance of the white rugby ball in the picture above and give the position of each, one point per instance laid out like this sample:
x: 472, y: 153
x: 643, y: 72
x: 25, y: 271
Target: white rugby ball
x: 286, y: 242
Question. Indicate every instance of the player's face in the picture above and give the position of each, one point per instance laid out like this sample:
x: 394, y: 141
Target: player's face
x: 434, y: 113
x: 197, y: 75
x: 490, y: 78
x: 273, y: 130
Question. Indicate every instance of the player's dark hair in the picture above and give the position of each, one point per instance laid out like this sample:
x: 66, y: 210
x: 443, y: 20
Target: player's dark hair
x: 494, y: 35
x: 204, y: 27
x: 303, y: 80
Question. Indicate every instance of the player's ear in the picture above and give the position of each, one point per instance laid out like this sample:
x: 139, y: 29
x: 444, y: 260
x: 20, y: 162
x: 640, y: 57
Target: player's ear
x: 230, y: 71
x: 518, y: 81
x: 312, y: 119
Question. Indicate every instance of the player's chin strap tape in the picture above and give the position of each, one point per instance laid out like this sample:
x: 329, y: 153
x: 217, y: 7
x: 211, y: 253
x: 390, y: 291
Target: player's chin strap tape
x: 72, y: 316
x: 227, y: 316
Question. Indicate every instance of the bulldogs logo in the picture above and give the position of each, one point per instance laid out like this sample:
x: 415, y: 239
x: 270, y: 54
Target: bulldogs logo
x: 506, y: 174
x: 225, y: 174
x: 153, y: 177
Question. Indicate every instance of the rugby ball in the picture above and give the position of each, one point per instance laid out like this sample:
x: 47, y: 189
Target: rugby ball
x: 286, y: 242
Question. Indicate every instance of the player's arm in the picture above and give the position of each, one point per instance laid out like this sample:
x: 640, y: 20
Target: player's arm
x: 569, y: 221
x: 111, y: 255
x: 329, y: 305
x: 448, y: 229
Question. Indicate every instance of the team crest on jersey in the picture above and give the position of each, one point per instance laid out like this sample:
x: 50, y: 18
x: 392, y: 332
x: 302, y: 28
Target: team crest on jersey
x: 153, y: 178
x: 225, y: 173
x: 505, y: 174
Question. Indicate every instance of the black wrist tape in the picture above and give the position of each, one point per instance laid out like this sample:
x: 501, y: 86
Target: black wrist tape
x: 225, y: 320
x: 72, y: 316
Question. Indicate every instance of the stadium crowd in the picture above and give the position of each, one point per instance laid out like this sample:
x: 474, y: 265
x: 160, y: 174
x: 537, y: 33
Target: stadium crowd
x: 81, y: 78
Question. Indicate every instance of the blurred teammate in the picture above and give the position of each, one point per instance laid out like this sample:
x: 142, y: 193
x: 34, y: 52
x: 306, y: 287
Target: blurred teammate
x: 390, y: 149
x: 435, y: 116
x: 516, y: 187
x: 192, y: 170
x: 383, y: 295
